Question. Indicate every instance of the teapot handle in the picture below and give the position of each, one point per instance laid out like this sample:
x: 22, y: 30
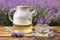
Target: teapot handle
x: 10, y: 14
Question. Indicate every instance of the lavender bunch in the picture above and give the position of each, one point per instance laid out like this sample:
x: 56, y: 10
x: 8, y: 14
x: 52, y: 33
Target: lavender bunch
x: 44, y: 16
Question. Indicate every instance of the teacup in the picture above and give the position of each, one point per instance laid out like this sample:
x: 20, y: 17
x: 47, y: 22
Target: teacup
x: 43, y: 30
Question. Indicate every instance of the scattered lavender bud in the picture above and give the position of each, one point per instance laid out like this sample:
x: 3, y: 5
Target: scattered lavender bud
x: 13, y: 34
x: 50, y: 35
x: 17, y: 34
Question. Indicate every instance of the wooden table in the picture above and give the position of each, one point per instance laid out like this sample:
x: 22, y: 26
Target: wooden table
x: 6, y: 35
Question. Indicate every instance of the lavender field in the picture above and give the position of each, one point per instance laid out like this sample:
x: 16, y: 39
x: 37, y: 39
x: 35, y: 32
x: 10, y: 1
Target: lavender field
x: 48, y: 4
x: 7, y: 4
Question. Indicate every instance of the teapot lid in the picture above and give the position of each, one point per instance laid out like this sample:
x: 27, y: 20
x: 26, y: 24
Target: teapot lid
x: 22, y: 7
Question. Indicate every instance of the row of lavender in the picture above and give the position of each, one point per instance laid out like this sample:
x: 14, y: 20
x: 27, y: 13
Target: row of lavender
x: 7, y: 4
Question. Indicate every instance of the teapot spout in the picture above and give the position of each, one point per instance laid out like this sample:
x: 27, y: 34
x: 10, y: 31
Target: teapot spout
x: 33, y: 12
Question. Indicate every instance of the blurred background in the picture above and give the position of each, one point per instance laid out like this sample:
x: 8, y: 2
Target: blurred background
x: 7, y: 5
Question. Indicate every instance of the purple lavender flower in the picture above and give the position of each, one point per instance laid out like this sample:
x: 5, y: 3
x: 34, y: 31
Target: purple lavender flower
x: 45, y: 17
x: 52, y: 11
x: 53, y: 16
x: 40, y: 20
x: 47, y: 21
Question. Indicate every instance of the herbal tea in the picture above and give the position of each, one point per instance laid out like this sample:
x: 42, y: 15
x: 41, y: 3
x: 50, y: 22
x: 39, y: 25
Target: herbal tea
x: 42, y: 33
x: 23, y: 28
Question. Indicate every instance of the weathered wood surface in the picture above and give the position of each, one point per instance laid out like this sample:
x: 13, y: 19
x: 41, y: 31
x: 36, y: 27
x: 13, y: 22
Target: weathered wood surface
x: 6, y: 35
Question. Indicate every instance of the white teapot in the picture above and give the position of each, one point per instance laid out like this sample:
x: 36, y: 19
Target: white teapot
x: 22, y: 16
x: 22, y: 19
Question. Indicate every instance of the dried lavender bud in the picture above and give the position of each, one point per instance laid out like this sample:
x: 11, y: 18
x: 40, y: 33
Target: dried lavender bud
x: 19, y: 34
x: 13, y: 34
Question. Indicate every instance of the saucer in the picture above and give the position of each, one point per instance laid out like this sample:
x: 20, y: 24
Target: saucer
x: 49, y: 34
